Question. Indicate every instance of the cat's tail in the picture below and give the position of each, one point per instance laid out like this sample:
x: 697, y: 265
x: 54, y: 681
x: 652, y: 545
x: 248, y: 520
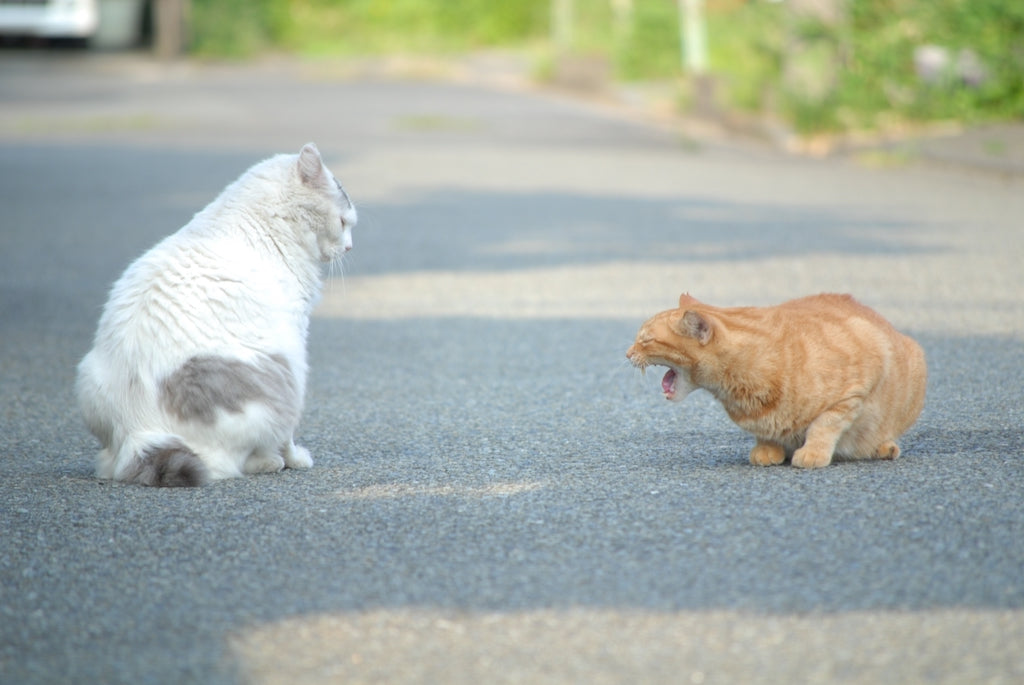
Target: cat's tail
x: 162, y: 461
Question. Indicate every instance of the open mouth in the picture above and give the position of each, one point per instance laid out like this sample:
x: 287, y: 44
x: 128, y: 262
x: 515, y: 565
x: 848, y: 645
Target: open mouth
x: 668, y: 384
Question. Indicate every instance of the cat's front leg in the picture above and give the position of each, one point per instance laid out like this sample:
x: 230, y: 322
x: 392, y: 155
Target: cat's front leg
x: 824, y: 432
x: 296, y: 457
x: 263, y: 461
x: 812, y: 459
x: 767, y: 454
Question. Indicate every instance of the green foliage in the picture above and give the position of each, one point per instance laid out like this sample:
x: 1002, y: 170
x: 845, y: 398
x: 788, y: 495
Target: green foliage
x: 650, y: 46
x: 746, y: 48
x: 236, y: 28
x: 860, y: 72
x: 857, y: 72
x: 382, y: 26
x: 876, y: 77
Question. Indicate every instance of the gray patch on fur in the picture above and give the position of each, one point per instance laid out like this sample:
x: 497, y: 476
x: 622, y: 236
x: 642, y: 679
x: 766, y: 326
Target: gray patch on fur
x: 172, y: 465
x: 205, y: 384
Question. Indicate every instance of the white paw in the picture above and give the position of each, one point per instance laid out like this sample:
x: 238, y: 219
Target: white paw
x: 263, y: 462
x: 296, y: 457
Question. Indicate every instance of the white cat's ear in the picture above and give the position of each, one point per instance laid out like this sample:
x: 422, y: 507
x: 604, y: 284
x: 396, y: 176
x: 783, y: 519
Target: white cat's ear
x: 311, y: 167
x: 695, y: 326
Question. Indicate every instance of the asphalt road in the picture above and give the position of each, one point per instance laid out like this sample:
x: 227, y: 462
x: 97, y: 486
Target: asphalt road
x: 497, y: 495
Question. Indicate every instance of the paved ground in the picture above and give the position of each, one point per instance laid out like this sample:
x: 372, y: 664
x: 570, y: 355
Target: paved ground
x: 498, y: 497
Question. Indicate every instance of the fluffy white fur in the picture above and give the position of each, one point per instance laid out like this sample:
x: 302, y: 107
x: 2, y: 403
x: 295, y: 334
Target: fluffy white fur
x: 235, y: 285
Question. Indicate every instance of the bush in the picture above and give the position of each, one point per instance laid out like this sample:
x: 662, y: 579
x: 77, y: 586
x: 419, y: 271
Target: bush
x: 877, y: 78
x: 857, y: 72
x: 381, y: 26
x: 237, y: 28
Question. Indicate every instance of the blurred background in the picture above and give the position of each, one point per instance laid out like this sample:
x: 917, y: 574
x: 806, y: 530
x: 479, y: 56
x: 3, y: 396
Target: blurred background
x: 811, y: 67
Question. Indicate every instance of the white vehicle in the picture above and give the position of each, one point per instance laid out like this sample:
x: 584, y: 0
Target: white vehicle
x: 105, y: 24
x: 49, y: 18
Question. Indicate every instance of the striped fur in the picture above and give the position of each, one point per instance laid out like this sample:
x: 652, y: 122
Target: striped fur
x: 811, y: 378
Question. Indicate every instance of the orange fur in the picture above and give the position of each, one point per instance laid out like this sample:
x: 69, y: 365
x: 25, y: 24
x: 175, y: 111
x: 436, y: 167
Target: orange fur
x: 810, y: 378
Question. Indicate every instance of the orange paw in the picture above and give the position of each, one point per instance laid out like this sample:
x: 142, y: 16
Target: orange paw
x: 765, y: 454
x: 808, y: 459
x: 887, y: 450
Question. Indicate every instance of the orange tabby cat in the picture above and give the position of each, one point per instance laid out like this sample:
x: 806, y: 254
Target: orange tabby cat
x: 809, y: 378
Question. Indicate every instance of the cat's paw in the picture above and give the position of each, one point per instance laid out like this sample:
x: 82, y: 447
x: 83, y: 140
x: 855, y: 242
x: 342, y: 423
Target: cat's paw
x: 811, y: 459
x: 887, y: 450
x: 296, y: 457
x: 263, y: 462
x: 765, y: 454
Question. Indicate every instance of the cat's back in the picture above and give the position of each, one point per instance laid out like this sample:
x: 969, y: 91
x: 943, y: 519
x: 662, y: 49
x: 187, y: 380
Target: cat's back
x: 844, y: 339
x: 183, y: 269
x: 831, y: 308
x: 228, y: 239
x: 833, y: 319
x: 819, y: 351
x: 224, y: 252
x: 206, y: 287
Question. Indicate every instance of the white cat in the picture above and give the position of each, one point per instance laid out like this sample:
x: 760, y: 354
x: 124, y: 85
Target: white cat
x: 198, y: 370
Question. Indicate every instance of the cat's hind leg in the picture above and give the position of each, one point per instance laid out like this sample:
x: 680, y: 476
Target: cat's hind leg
x: 824, y: 433
x: 767, y: 454
x: 296, y: 457
x: 887, y: 450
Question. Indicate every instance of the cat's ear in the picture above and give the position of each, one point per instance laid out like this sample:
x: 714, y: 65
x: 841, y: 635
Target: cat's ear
x: 311, y: 167
x: 686, y: 300
x: 693, y: 325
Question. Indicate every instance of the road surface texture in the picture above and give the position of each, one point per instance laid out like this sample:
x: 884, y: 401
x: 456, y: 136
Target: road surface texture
x: 498, y: 496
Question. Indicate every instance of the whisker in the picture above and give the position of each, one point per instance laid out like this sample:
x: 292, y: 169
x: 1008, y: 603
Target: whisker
x: 335, y: 273
x: 617, y: 368
x: 340, y: 273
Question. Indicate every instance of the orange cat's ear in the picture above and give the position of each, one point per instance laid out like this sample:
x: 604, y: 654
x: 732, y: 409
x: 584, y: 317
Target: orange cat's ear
x: 693, y: 325
x: 686, y: 299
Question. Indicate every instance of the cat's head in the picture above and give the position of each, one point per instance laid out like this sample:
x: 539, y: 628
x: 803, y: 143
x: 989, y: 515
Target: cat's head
x: 677, y: 339
x: 334, y: 232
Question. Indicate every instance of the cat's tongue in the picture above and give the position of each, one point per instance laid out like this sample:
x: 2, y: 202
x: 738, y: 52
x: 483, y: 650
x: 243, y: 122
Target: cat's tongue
x: 668, y: 384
